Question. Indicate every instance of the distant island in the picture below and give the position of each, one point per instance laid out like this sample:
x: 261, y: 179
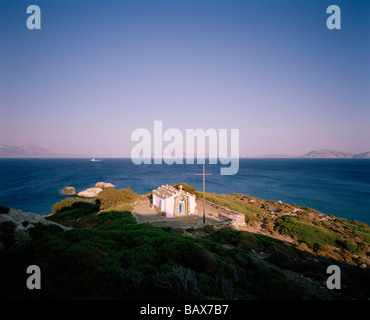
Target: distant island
x: 24, y: 150
x: 30, y: 150
x: 320, y: 154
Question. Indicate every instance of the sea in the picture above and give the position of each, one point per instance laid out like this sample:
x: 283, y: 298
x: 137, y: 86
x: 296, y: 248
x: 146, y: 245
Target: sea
x: 333, y: 186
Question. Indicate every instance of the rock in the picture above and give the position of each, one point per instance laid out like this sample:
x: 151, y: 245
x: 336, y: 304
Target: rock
x: 15, y: 225
x: 104, y: 185
x: 25, y: 220
x: 90, y: 193
x: 71, y: 191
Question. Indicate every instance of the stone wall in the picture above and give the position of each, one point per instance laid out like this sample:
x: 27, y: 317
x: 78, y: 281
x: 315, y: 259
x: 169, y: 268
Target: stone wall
x: 236, y: 219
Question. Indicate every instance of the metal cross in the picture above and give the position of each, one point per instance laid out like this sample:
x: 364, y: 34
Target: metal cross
x: 204, y: 174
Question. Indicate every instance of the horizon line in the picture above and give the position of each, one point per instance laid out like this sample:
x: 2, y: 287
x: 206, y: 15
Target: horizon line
x: 104, y: 157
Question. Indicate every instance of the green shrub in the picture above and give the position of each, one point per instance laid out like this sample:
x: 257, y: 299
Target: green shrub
x: 115, y: 220
x: 347, y: 245
x: 40, y: 230
x: 225, y: 236
x: 360, y: 229
x: 135, y: 261
x: 365, y: 234
x: 313, y: 236
x: 186, y: 187
x: 266, y: 241
x: 310, y: 209
x: 64, y: 216
x: 111, y: 197
x: 70, y: 203
x: 360, y: 224
x: 239, y: 195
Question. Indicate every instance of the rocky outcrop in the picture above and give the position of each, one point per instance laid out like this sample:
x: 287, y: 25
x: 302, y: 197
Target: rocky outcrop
x: 93, y: 192
x: 90, y: 193
x: 104, y: 185
x: 15, y: 226
x: 71, y: 191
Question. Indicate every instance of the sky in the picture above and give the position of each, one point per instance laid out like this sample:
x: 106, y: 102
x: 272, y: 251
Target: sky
x: 98, y: 70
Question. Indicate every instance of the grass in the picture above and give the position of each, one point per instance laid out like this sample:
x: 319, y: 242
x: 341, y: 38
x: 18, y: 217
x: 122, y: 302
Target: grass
x: 359, y: 228
x: 251, y: 212
x: 313, y: 236
x: 265, y: 241
x: 310, y: 209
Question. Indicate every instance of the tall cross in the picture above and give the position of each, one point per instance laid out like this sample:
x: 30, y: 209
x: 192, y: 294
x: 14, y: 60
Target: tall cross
x: 204, y: 174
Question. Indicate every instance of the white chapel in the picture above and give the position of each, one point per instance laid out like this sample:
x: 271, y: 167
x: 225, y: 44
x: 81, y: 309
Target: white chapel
x: 173, y: 202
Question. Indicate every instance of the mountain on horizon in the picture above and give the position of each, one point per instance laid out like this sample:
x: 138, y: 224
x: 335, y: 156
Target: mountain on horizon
x: 278, y: 156
x: 24, y: 150
x: 28, y: 149
x: 365, y: 155
x: 327, y: 153
x: 321, y: 154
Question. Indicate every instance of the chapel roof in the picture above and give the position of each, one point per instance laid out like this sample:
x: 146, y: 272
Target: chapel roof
x: 167, y: 191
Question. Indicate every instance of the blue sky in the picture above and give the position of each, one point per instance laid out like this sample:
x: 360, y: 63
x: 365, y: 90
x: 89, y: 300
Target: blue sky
x: 97, y: 70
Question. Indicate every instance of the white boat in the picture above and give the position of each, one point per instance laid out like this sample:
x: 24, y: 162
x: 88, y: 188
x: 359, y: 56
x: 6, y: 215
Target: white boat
x: 95, y: 160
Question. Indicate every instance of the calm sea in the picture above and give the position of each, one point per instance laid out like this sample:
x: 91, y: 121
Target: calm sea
x: 334, y: 186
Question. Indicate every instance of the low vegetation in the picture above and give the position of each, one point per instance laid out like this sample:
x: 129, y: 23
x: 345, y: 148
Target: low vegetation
x: 108, y: 255
x: 186, y: 187
x: 233, y: 202
x: 116, y: 258
x: 110, y: 197
x: 70, y: 203
x: 313, y: 236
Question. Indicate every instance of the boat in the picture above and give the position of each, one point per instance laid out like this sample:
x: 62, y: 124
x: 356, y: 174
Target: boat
x: 95, y: 160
